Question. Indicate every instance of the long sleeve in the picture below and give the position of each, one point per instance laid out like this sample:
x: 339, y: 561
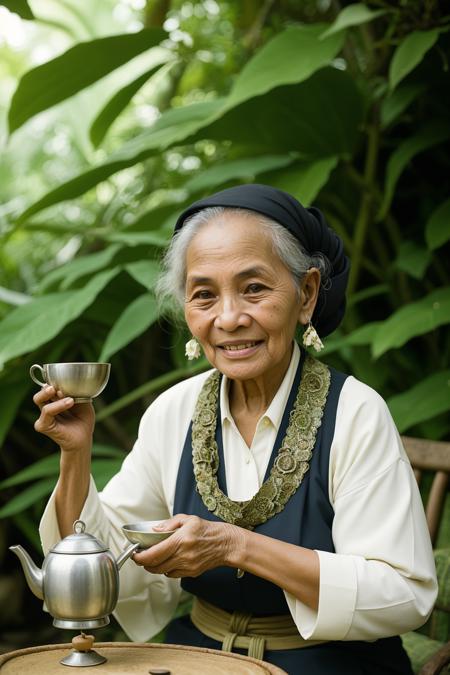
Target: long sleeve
x: 142, y: 490
x: 381, y: 579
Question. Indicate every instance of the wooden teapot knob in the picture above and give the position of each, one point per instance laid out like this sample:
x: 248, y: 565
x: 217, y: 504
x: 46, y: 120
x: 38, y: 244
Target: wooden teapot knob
x: 83, y: 643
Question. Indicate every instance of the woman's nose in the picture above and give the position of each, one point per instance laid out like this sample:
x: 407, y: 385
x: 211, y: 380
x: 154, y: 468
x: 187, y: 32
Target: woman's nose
x: 231, y: 315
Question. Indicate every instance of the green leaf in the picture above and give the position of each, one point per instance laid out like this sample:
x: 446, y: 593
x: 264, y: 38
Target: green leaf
x: 49, y: 466
x: 79, y: 267
x: 31, y: 325
x: 401, y: 157
x: 109, y: 113
x: 412, y: 259
x: 28, y: 497
x: 173, y: 126
x: 304, y: 180
x: 318, y: 118
x: 367, y: 293
x: 398, y: 101
x: 353, y: 15
x: 81, y: 65
x: 158, y: 239
x: 410, y: 53
x: 136, y: 318
x: 13, y: 297
x: 289, y: 58
x: 437, y: 229
x: 13, y: 389
x: 412, y: 320
x: 423, y: 401
x: 245, y: 168
x: 43, y: 468
x: 103, y: 450
x: 357, y: 338
x: 20, y: 7
x: 104, y: 469
x: 145, y: 272
x: 27, y: 525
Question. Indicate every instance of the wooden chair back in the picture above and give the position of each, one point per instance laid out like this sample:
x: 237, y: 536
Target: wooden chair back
x: 426, y: 455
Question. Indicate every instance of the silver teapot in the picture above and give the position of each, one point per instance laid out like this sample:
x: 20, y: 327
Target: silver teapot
x: 79, y: 579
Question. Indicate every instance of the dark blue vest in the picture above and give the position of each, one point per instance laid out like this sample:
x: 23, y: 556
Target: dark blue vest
x: 306, y: 520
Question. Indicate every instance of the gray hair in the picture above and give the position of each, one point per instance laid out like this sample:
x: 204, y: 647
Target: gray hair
x: 170, y: 288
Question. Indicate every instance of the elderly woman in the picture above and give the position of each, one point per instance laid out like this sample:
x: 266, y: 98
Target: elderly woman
x: 299, y: 529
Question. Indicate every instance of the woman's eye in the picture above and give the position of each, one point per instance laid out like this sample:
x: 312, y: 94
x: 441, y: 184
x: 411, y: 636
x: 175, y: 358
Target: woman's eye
x: 203, y: 295
x: 255, y: 288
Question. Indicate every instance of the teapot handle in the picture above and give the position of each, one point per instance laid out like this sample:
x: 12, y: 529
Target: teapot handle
x: 132, y: 548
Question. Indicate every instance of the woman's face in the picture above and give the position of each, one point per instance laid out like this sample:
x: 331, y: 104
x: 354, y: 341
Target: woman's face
x: 241, y: 301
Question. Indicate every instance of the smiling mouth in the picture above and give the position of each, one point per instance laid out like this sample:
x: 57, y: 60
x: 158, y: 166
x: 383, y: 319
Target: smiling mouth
x: 240, y: 346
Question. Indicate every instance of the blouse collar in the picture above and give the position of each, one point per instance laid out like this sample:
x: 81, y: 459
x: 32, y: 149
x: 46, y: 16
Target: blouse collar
x: 275, y: 411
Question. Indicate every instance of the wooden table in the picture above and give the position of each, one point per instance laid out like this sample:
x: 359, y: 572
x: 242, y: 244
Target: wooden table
x: 132, y: 658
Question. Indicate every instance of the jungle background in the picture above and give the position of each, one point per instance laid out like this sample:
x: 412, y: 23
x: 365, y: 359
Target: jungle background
x: 116, y: 114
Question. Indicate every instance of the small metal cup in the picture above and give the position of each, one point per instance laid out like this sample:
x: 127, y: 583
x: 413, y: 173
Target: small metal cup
x: 81, y: 381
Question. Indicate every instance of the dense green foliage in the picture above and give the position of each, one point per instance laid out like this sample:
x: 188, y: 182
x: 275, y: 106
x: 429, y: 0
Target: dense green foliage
x: 346, y: 109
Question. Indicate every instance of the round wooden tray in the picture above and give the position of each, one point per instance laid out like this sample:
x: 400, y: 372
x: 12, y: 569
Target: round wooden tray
x: 135, y: 659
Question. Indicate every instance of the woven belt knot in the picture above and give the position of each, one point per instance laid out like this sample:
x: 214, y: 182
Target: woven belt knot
x: 238, y: 627
x: 239, y: 622
x: 241, y: 630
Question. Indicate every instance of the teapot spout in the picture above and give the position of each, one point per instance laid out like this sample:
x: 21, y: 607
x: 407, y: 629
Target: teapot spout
x: 132, y: 548
x: 33, y: 574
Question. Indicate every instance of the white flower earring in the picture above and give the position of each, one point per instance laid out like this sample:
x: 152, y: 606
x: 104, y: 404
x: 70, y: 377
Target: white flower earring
x: 193, y: 350
x: 311, y: 338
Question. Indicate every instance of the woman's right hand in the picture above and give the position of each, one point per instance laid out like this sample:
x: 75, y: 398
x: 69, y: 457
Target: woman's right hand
x: 69, y: 424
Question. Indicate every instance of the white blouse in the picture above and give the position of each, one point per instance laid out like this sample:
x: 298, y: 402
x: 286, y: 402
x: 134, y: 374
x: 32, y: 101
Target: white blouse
x: 381, y: 580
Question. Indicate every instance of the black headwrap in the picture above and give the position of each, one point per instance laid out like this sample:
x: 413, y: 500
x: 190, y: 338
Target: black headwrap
x: 308, y: 225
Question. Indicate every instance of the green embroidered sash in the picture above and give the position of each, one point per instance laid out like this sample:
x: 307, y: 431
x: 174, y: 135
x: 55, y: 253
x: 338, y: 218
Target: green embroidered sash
x: 291, y: 463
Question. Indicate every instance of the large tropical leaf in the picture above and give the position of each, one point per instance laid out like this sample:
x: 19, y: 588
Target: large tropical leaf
x: 74, y: 269
x: 81, y: 65
x: 12, y: 391
x: 410, y: 53
x: 102, y: 471
x: 28, y: 497
x: 289, y: 59
x: 14, y: 298
x: 412, y: 259
x: 423, y: 401
x: 145, y: 272
x: 37, y: 322
x: 414, y: 319
x: 318, y: 118
x: 437, y: 229
x: 49, y: 466
x: 405, y: 151
x: 399, y: 100
x: 136, y: 318
x: 353, y: 15
x: 43, y: 468
x: 157, y: 239
x: 357, y: 338
x: 304, y: 180
x: 172, y: 127
x: 238, y: 169
x: 116, y: 104
x: 20, y: 7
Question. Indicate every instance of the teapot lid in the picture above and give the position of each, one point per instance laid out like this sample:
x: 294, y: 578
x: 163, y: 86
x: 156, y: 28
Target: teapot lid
x: 79, y: 542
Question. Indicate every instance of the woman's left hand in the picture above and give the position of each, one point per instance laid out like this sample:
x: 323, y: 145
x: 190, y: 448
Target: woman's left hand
x: 196, y: 545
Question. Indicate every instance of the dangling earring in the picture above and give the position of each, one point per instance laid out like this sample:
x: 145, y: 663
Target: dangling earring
x: 311, y: 338
x: 193, y: 350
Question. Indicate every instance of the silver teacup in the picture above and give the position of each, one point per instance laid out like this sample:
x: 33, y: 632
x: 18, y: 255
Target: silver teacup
x: 81, y: 381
